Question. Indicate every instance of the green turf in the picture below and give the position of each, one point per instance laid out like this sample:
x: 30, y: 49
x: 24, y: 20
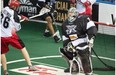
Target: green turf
x: 38, y: 46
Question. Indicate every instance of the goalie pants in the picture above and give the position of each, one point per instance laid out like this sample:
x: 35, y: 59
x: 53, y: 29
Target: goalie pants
x: 85, y: 58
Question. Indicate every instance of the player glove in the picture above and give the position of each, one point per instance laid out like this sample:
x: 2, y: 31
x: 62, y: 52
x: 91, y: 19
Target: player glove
x: 24, y: 18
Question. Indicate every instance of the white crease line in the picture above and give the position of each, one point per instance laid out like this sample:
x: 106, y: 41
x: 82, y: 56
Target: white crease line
x: 52, y: 66
x: 104, y: 58
x: 55, y: 56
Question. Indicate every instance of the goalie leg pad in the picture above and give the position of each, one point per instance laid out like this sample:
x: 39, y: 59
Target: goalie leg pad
x: 69, y: 57
x: 67, y: 54
x: 86, y: 60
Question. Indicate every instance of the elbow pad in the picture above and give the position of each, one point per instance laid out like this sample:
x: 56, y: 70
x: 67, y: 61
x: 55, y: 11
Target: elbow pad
x: 92, y: 32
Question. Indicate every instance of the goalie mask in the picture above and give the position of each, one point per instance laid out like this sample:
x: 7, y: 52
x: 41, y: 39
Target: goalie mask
x: 72, y: 14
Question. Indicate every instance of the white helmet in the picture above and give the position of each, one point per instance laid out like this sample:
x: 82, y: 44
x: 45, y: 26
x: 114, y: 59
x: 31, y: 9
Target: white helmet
x: 72, y: 14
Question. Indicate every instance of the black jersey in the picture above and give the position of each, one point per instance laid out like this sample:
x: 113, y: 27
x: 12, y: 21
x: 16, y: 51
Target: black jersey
x: 79, y: 32
x: 82, y: 26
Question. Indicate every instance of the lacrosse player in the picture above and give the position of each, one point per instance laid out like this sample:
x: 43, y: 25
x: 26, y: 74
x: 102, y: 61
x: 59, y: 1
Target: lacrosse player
x: 45, y: 14
x: 10, y: 24
x: 78, y: 34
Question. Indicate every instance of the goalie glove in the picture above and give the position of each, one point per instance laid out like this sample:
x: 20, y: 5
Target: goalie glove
x: 68, y: 53
x: 71, y: 48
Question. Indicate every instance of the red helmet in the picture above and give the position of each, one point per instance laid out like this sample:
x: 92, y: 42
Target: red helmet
x: 13, y: 3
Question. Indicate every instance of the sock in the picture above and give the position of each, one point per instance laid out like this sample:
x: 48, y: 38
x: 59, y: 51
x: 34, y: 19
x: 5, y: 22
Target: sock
x: 46, y: 30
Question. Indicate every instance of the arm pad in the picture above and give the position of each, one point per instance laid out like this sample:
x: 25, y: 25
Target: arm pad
x: 92, y: 32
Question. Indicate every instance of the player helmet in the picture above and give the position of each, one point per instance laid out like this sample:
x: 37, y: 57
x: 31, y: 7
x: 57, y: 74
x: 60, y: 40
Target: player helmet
x: 13, y: 3
x: 72, y: 14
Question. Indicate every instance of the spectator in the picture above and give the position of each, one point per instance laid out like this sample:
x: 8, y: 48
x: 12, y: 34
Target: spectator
x: 84, y: 7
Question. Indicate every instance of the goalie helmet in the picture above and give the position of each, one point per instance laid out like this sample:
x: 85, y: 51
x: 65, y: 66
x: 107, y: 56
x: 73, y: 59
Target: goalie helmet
x: 13, y: 3
x: 72, y: 14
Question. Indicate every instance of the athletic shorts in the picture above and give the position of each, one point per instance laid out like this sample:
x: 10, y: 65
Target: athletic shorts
x: 14, y: 41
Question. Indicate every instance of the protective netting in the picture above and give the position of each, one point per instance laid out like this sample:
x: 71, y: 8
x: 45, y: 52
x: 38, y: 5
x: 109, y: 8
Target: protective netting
x: 103, y: 51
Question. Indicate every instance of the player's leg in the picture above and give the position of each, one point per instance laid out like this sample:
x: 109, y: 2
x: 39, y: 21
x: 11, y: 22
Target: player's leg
x: 67, y: 55
x: 4, y: 50
x: 65, y: 42
x: 85, y: 57
x: 27, y: 59
x: 70, y: 57
x: 26, y: 56
x: 50, y: 26
x: 4, y: 64
x: 18, y: 43
x: 47, y: 32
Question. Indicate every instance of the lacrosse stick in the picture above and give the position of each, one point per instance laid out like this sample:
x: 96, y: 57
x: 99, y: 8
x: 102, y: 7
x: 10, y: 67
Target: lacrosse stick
x: 42, y: 11
x: 31, y: 17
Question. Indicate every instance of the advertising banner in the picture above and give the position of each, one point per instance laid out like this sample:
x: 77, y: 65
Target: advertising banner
x: 29, y: 8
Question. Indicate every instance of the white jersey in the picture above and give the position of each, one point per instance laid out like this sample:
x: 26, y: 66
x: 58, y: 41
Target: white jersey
x: 9, y: 22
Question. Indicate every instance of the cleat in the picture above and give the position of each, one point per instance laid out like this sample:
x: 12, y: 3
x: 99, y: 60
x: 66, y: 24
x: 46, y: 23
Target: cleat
x: 32, y: 68
x: 6, y: 73
x: 47, y: 34
x: 56, y: 39
x: 75, y: 69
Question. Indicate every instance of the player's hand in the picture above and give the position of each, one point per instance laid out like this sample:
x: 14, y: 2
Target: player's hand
x: 24, y: 18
